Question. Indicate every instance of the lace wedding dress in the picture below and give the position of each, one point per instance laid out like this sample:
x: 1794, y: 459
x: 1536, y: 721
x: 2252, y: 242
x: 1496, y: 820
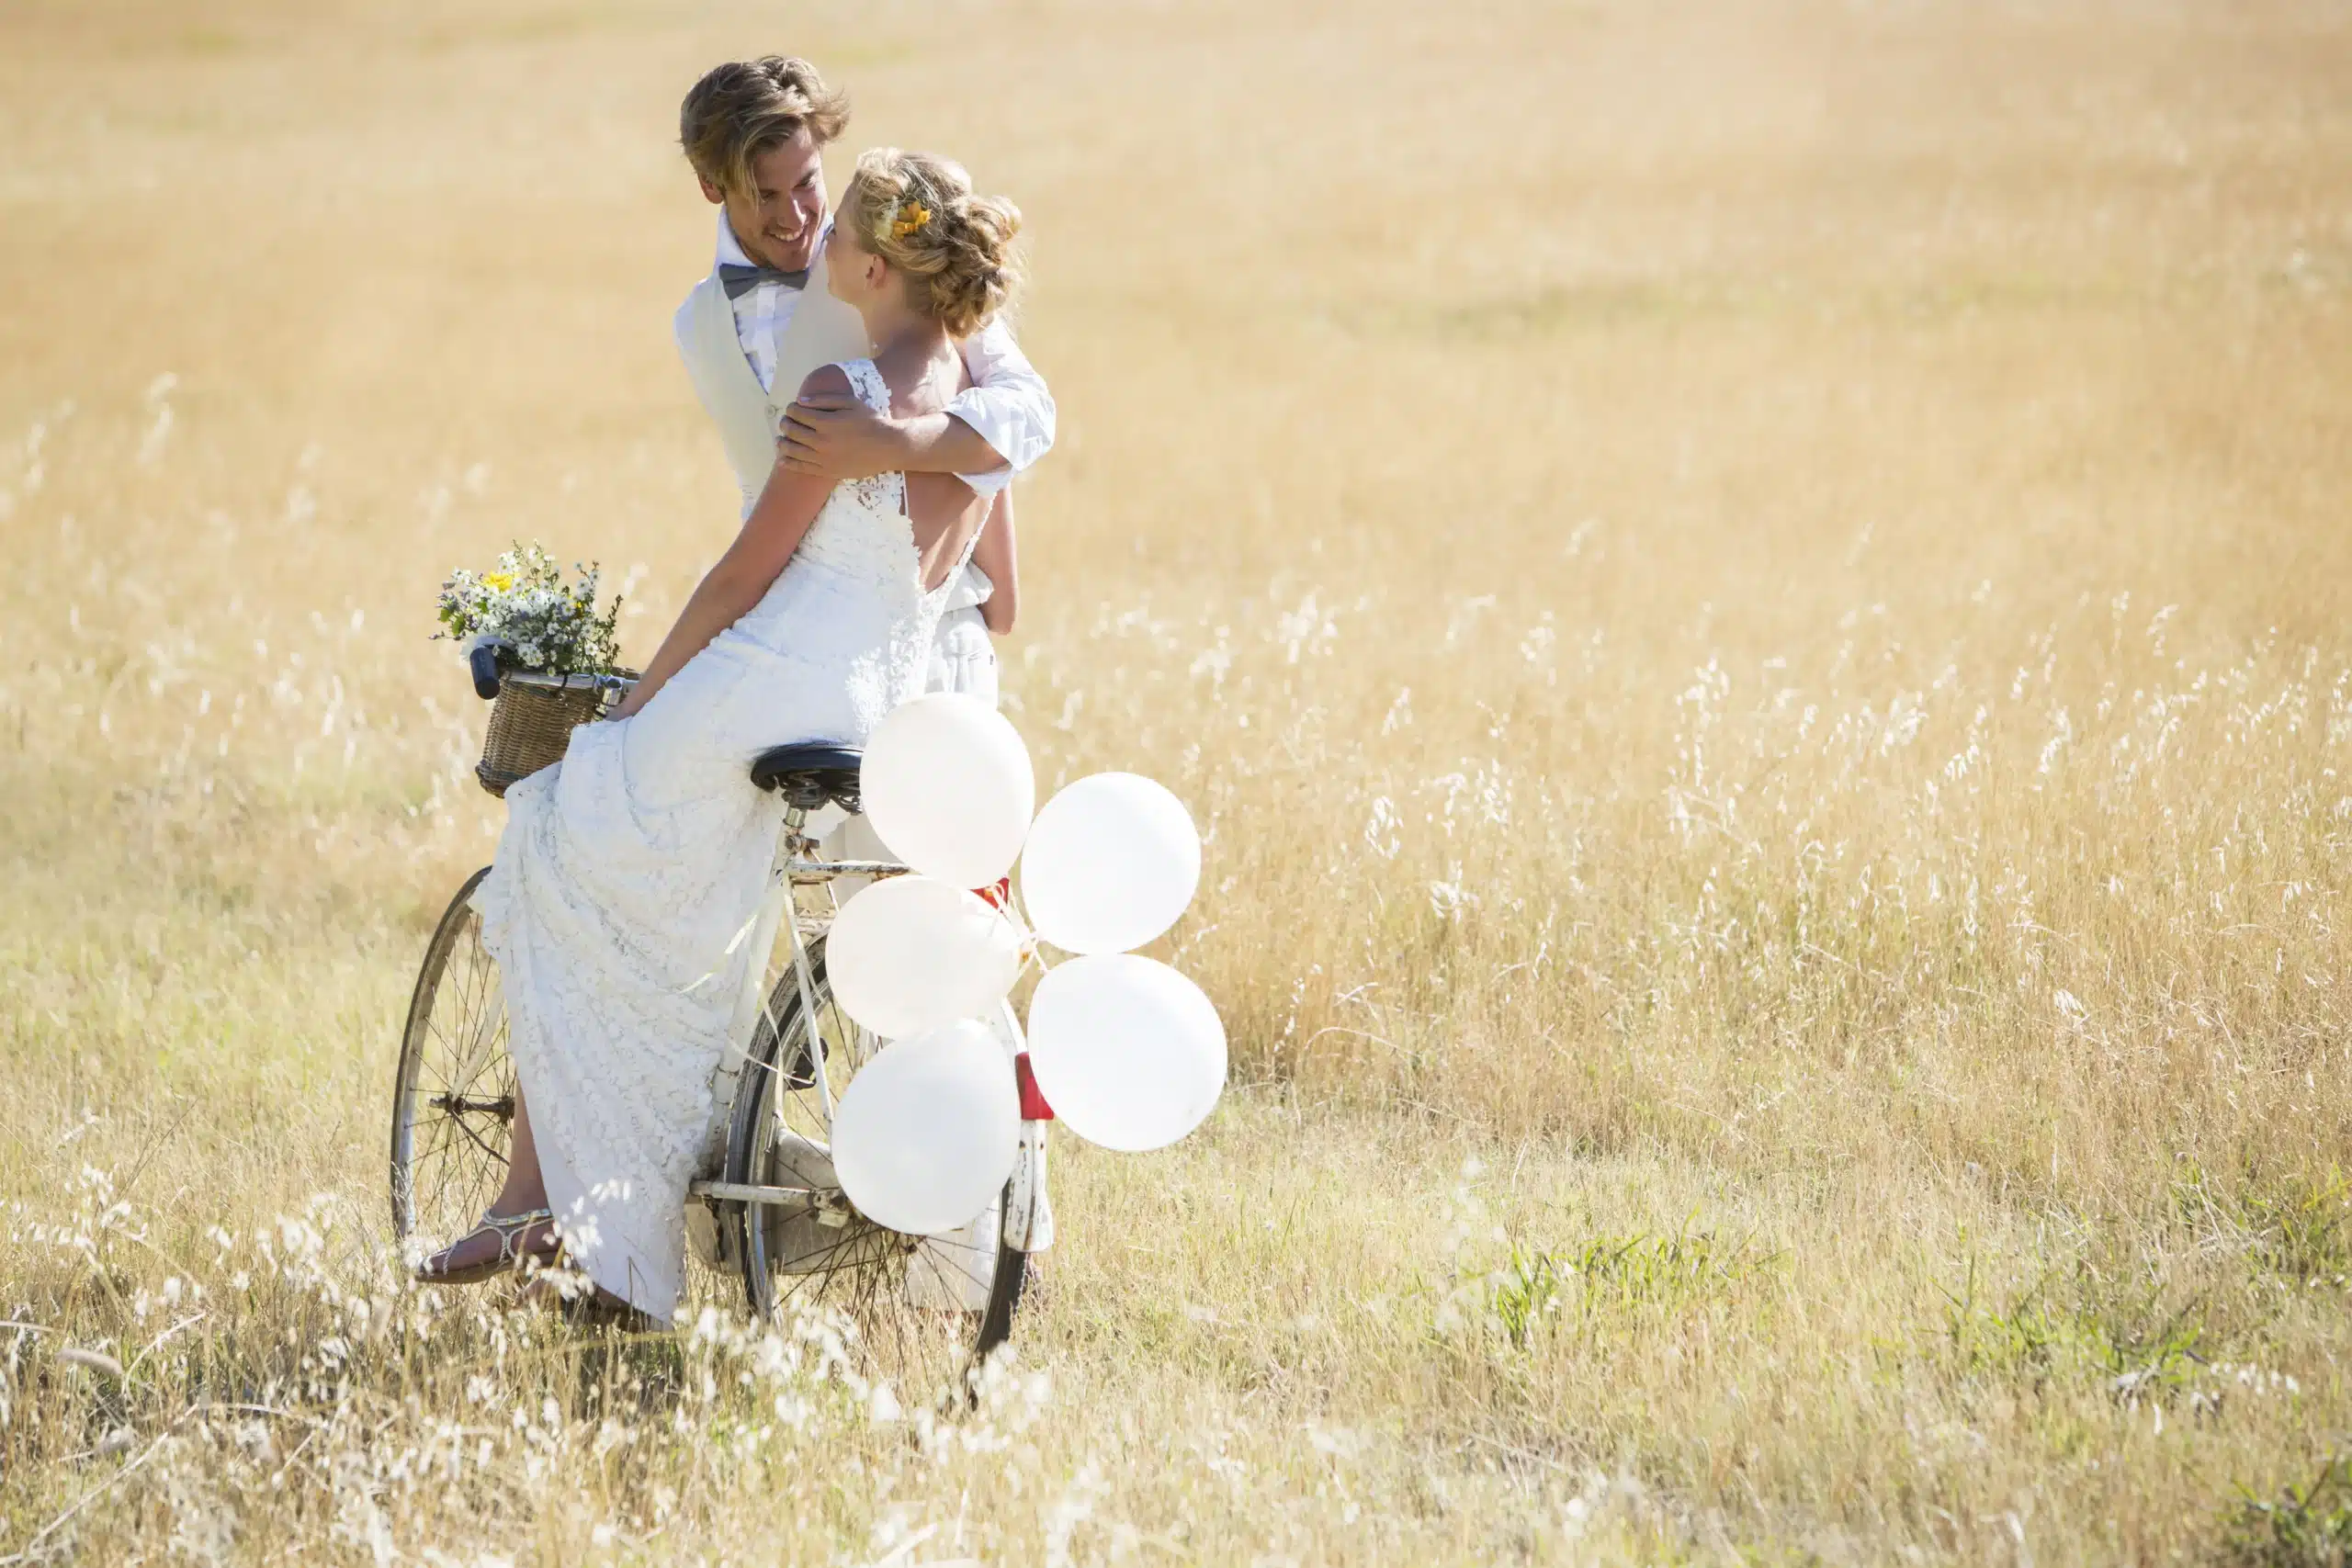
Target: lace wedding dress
x: 627, y: 871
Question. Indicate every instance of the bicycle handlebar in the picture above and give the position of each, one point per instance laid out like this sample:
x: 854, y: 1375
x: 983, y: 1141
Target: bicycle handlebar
x: 490, y: 676
x: 611, y: 685
x: 484, y: 660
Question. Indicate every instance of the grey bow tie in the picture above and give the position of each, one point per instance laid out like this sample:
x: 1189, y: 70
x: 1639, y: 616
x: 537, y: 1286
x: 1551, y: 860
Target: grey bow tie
x: 739, y: 280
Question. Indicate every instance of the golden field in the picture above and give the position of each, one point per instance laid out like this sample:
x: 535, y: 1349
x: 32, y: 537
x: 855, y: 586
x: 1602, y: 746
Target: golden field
x: 1753, y: 597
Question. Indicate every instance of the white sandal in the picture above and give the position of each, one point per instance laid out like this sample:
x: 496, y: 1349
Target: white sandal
x: 509, y: 1257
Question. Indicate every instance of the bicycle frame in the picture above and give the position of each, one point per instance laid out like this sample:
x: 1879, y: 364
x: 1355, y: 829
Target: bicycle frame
x: 793, y: 867
x: 1027, y: 1222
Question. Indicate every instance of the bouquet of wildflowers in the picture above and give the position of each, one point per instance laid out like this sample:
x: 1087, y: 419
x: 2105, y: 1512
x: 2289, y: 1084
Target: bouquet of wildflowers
x: 550, y: 625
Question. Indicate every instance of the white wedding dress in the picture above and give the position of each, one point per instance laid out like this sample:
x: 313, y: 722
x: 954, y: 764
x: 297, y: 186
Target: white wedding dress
x: 628, y: 871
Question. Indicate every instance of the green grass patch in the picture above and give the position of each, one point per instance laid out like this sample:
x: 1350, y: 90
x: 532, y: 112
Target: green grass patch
x: 2076, y: 1325
x: 2307, y: 1526
x: 1614, y: 1278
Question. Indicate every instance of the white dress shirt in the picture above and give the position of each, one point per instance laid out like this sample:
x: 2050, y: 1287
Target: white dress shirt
x: 1008, y: 405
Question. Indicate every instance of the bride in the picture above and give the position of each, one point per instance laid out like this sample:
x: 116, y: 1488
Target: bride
x: 628, y: 870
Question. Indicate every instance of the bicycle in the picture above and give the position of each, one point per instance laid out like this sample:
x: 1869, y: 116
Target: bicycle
x: 770, y: 1209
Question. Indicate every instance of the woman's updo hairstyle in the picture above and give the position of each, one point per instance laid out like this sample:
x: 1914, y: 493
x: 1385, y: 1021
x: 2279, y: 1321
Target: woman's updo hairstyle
x: 916, y: 211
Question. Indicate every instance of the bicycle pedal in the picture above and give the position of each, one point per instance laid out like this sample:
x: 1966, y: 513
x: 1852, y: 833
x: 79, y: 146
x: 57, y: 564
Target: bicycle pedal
x: 711, y: 1241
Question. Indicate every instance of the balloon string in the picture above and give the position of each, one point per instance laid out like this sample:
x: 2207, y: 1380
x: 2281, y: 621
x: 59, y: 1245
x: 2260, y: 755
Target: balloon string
x: 1033, y: 946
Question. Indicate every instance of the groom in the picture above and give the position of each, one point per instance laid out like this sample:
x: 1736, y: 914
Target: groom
x: 754, y: 131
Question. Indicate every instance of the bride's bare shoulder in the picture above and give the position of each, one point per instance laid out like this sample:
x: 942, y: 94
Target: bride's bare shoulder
x: 826, y: 381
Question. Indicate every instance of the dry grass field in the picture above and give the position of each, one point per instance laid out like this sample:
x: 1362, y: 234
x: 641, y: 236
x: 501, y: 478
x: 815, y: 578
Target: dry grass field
x: 1753, y: 596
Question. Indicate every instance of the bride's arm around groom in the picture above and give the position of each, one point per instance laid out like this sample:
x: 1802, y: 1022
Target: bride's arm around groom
x: 995, y: 429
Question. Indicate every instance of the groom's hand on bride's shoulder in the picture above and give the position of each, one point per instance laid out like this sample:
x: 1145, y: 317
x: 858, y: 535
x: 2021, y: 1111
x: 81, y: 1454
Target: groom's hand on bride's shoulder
x: 834, y: 436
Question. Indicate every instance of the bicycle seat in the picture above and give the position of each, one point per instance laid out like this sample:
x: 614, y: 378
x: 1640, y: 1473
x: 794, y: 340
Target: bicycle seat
x: 809, y: 775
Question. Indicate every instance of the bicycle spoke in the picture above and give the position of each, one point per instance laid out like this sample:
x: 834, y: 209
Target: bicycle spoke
x: 466, y: 1126
x: 452, y: 1163
x: 800, y: 1266
x: 434, y: 1163
x: 475, y: 965
x: 940, y: 1257
x: 477, y: 1025
x: 462, y: 1046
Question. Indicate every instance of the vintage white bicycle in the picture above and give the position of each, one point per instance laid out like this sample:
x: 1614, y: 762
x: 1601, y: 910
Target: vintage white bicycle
x: 767, y: 1210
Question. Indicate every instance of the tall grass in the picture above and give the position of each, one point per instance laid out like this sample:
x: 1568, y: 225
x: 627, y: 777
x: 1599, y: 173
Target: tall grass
x: 1751, y: 601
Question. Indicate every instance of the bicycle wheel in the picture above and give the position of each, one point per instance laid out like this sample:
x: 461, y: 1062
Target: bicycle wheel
x: 453, y: 1102
x: 925, y: 1311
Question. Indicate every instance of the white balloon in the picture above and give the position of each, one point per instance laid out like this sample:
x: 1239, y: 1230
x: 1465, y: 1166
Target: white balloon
x: 909, y: 953
x: 1128, y: 1053
x: 947, y: 784
x: 925, y: 1135
x: 1112, y: 861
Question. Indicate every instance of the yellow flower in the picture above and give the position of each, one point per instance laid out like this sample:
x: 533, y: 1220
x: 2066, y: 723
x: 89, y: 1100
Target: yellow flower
x: 912, y: 217
x: 498, y: 582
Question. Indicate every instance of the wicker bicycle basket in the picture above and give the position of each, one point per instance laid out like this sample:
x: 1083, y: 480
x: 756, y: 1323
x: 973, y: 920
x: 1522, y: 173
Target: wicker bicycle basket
x: 531, y: 723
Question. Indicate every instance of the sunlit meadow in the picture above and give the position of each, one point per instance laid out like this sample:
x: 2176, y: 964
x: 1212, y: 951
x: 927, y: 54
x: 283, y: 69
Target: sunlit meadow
x: 1753, y: 601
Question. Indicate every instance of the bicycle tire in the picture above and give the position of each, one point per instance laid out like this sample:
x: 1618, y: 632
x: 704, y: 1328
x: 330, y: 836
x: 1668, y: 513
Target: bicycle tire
x: 781, y: 1028
x: 452, y: 1045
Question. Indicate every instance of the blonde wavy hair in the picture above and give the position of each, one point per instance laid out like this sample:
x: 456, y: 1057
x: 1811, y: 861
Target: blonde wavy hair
x: 916, y: 210
x: 740, y: 109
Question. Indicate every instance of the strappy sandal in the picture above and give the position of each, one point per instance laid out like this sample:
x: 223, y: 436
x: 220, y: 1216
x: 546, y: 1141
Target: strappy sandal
x: 509, y: 1257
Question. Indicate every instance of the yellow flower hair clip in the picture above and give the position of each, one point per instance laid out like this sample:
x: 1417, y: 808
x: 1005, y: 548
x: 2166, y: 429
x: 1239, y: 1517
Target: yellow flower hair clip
x: 911, y: 217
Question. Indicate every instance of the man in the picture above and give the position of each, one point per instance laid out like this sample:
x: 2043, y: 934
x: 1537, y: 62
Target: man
x: 754, y: 131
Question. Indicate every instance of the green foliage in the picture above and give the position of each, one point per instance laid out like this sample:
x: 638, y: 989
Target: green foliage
x: 2018, y: 1335
x: 2296, y: 1227
x: 2081, y: 1327
x: 1617, y: 1276
x: 2306, y: 1226
x: 2305, y: 1526
x: 1524, y: 1289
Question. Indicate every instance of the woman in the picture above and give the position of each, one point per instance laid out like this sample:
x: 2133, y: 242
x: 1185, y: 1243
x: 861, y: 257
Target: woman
x: 628, y: 870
